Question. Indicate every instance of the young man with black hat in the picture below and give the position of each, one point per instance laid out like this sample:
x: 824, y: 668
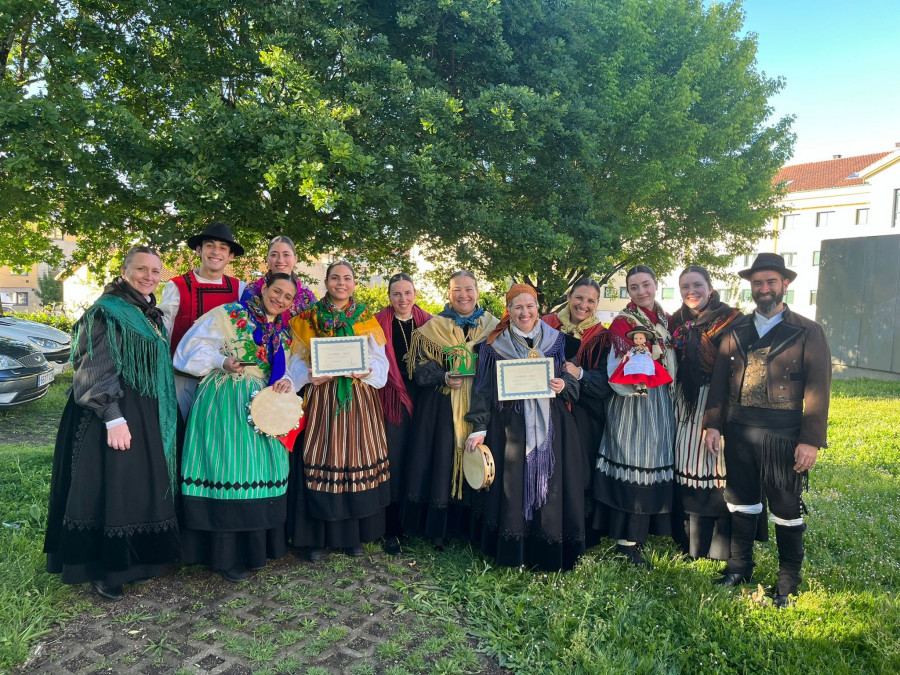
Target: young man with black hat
x: 188, y: 297
x: 769, y: 399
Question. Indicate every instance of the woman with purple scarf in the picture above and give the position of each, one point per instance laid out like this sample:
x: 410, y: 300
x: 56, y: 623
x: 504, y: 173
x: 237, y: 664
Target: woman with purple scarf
x: 233, y: 479
x: 398, y: 321
x: 533, y: 514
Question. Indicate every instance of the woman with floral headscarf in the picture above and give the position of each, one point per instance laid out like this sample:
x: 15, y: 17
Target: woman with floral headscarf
x: 234, y: 480
x: 533, y: 514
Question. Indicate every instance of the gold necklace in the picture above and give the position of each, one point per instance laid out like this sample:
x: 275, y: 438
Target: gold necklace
x: 533, y: 353
x: 154, y: 327
x: 403, y: 332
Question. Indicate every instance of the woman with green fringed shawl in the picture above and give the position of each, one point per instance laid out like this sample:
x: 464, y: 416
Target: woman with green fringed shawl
x: 112, y: 517
x: 340, y: 469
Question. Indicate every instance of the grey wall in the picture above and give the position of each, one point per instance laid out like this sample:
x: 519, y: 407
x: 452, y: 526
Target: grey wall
x: 858, y: 304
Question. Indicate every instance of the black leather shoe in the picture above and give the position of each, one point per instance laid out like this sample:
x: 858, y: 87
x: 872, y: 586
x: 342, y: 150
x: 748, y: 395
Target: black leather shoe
x: 633, y: 555
x: 355, y: 551
x: 782, y: 601
x: 732, y: 579
x: 391, y: 545
x: 236, y: 575
x: 111, y: 593
x: 314, y: 554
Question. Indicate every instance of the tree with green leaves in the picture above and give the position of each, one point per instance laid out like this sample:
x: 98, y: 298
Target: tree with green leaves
x: 529, y: 140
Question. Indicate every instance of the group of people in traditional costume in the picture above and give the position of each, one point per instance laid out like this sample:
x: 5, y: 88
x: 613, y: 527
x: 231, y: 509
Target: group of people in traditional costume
x: 157, y: 462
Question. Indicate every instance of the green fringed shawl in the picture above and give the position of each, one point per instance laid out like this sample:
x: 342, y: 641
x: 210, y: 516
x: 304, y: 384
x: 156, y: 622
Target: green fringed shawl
x: 142, y: 361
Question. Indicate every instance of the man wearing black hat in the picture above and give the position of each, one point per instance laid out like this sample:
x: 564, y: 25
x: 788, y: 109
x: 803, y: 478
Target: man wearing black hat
x: 769, y: 398
x: 188, y: 297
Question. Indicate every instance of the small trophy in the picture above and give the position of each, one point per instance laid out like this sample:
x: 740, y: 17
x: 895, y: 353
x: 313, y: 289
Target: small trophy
x: 462, y: 361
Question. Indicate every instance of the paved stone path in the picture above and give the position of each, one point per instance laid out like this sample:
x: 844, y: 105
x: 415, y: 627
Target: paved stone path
x: 343, y: 615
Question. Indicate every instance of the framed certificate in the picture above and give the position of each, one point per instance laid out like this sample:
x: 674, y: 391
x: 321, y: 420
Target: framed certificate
x: 524, y: 378
x: 339, y: 355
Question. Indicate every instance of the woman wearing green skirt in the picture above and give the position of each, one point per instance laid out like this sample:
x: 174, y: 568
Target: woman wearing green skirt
x: 234, y: 479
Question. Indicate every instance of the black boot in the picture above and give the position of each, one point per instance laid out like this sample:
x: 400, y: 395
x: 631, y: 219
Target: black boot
x: 740, y: 557
x: 790, y: 560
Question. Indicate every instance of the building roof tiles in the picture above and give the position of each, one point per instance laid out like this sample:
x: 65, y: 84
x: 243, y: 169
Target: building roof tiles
x: 832, y: 173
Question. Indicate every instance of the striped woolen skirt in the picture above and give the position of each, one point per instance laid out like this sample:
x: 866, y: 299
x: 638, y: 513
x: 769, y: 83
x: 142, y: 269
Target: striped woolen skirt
x: 224, y: 458
x: 345, y: 460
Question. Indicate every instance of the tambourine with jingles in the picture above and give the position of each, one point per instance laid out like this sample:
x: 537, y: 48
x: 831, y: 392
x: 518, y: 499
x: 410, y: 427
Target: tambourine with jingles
x: 275, y: 414
x: 478, y: 467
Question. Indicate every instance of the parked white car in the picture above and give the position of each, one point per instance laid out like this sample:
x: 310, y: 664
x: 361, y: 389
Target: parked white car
x: 51, y: 342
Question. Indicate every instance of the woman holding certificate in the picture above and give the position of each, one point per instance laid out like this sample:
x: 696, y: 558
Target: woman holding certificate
x: 441, y: 362
x: 234, y: 478
x: 398, y: 321
x: 339, y: 486
x: 633, y: 478
x: 533, y: 514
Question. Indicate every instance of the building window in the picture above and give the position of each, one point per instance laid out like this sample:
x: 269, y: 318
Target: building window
x: 14, y: 298
x: 610, y: 292
x: 58, y: 234
x: 790, y: 221
x: 668, y: 293
x: 746, y: 295
x: 896, y: 219
x: 725, y: 295
x: 823, y: 218
x: 862, y: 216
x: 789, y: 297
x: 788, y: 258
x: 623, y: 292
x: 817, y: 255
x: 813, y: 296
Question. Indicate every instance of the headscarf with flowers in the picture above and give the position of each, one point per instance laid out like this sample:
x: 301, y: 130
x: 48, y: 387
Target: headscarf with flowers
x: 268, y: 335
x: 304, y: 298
x: 323, y: 319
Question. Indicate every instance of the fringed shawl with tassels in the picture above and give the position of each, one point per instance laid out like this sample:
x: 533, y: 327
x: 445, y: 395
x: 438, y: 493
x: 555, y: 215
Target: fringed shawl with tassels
x: 538, y: 420
x: 592, y: 334
x: 140, y: 353
x: 428, y: 344
x: 394, y: 395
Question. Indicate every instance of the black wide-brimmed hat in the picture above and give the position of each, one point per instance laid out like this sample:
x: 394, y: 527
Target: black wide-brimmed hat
x: 640, y: 329
x: 218, y: 232
x: 768, y: 261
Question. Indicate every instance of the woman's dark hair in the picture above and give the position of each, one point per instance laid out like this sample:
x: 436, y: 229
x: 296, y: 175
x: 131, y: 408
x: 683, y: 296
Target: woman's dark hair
x: 586, y: 281
x: 340, y: 263
x: 400, y: 276
x: 699, y: 269
x: 464, y: 273
x: 270, y: 278
x: 134, y: 250
x: 641, y: 269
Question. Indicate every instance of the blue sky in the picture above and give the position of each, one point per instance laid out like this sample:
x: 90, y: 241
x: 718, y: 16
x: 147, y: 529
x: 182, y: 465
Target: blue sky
x: 841, y: 63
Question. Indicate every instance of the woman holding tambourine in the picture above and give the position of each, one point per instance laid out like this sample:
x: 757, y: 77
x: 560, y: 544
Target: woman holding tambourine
x: 533, y: 514
x: 234, y: 477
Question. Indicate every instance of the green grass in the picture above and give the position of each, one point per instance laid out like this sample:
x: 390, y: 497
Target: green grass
x: 604, y: 616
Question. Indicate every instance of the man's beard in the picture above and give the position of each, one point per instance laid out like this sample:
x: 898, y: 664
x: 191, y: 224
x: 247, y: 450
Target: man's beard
x: 764, y: 306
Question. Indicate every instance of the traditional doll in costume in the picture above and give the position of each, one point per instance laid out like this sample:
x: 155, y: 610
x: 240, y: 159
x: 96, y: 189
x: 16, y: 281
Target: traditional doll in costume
x: 533, y: 513
x: 633, y: 479
x: 638, y: 367
x: 281, y: 259
x: 586, y: 341
x: 340, y: 476
x: 111, y: 518
x: 188, y: 297
x: 398, y: 321
x: 234, y: 479
x: 436, y: 494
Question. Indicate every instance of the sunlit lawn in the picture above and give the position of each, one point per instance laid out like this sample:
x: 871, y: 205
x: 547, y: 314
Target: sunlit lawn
x: 605, y: 616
